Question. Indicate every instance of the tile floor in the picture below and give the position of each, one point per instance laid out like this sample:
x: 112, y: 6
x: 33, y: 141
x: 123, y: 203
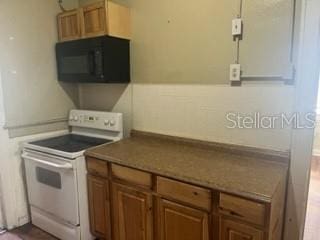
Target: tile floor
x: 27, y: 232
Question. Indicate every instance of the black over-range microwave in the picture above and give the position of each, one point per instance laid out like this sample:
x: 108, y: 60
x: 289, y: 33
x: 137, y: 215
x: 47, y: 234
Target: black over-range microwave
x: 94, y: 60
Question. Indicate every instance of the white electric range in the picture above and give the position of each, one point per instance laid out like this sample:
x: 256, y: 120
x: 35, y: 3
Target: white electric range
x: 56, y: 173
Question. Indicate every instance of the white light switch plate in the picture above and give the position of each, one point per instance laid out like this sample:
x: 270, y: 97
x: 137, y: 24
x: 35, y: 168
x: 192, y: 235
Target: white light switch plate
x: 237, y: 27
x: 235, y: 72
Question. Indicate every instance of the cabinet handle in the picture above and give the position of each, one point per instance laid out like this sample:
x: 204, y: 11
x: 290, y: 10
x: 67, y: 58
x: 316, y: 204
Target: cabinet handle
x: 230, y: 212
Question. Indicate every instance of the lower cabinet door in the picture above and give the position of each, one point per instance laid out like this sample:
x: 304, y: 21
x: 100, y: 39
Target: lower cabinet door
x: 231, y: 230
x: 178, y: 222
x: 132, y: 213
x: 99, y: 207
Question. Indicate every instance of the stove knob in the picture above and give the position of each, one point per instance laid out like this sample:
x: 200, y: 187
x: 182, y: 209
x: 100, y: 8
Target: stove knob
x: 106, y: 122
x: 112, y: 123
x: 76, y: 118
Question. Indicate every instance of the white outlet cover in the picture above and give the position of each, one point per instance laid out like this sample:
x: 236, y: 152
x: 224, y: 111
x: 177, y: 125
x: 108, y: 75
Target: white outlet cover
x: 235, y: 72
x: 237, y: 27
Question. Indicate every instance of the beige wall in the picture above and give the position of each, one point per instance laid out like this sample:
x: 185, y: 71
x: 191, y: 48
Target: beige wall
x: 316, y: 143
x: 31, y: 91
x: 190, y: 42
x: 182, y: 42
x: 70, y: 4
x: 28, y: 34
x: 108, y: 97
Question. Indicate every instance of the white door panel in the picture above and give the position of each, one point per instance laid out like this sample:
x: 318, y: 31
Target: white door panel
x: 265, y: 49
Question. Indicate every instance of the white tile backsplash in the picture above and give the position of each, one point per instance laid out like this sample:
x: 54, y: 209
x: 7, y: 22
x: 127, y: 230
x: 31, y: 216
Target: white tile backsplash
x: 198, y: 111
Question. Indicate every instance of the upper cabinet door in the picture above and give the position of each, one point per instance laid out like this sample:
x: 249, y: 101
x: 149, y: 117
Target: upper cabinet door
x: 69, y: 25
x: 265, y: 49
x: 94, y: 20
x: 132, y: 214
x: 236, y: 231
x: 118, y: 22
x: 177, y: 222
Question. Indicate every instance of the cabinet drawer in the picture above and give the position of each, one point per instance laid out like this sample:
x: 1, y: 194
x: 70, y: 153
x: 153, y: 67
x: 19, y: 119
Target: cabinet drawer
x: 97, y: 167
x: 243, y: 209
x: 133, y: 176
x: 183, y: 192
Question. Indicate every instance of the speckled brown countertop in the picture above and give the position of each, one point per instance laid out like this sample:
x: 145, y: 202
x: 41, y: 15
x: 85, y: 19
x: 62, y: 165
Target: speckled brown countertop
x: 248, y: 175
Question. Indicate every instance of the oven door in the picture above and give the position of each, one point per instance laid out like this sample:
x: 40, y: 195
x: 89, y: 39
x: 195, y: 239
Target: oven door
x: 52, y: 185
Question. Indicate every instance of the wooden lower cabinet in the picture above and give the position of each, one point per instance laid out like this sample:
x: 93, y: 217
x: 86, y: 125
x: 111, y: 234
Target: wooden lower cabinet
x: 132, y: 214
x: 99, y: 207
x: 143, y: 206
x: 178, y: 222
x: 231, y: 230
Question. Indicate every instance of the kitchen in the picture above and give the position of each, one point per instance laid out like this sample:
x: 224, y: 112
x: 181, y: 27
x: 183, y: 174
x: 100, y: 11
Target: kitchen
x: 180, y: 83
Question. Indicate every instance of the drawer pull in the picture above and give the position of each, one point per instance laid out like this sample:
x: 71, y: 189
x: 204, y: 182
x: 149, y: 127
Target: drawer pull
x: 230, y: 212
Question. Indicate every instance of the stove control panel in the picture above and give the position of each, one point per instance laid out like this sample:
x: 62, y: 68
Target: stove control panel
x: 96, y: 120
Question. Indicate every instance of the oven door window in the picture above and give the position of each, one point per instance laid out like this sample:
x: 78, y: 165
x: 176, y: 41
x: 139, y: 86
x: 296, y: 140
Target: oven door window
x: 48, y: 177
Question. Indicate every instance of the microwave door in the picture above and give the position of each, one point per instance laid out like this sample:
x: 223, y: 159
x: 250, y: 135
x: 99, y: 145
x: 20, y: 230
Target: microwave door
x: 80, y: 66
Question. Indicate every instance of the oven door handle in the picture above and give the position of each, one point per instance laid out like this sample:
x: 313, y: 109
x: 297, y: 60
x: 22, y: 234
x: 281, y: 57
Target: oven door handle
x: 60, y: 166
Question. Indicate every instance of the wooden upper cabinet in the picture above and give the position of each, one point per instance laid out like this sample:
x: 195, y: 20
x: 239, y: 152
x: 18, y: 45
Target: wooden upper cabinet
x: 94, y: 20
x: 99, y: 207
x: 231, y: 230
x: 177, y: 222
x: 132, y: 214
x: 97, y: 19
x: 118, y: 21
x: 69, y: 25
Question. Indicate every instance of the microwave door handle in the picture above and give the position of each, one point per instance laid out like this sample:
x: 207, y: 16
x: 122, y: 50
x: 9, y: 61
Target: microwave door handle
x: 91, y: 60
x: 59, y: 166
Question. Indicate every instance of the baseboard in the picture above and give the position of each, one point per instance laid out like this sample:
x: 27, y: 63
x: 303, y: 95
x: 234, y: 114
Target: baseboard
x: 24, y: 220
